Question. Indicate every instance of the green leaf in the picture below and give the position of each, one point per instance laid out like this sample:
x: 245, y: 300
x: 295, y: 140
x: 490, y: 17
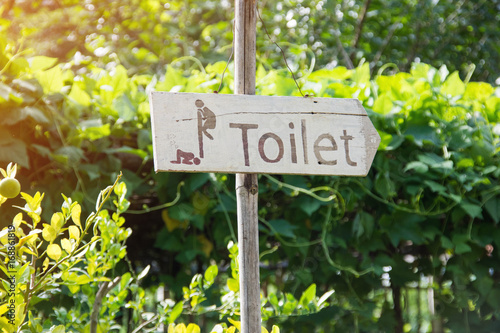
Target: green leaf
x: 484, y: 285
x: 446, y: 243
x: 385, y: 140
x: 453, y: 85
x: 337, y: 73
x: 478, y: 91
x: 383, y: 104
x: 41, y: 63
x: 143, y: 273
x: 494, y: 298
x: 471, y: 209
x: 465, y: 163
x: 94, y: 129
x: 12, y: 149
x: 126, y: 110
x: 48, y: 233
x: 54, y: 252
x: 74, y: 232
x: 57, y: 221
x: 76, y: 212
x: 233, y: 285
x: 361, y: 74
x: 51, y: 80
x: 421, y: 134
x: 69, y: 154
x: 283, y: 228
x: 17, y: 115
x: 363, y: 225
x: 435, y: 187
x: 211, y: 274
x: 187, y: 256
x: 66, y: 245
x: 83, y: 279
x: 384, y: 185
x: 79, y: 95
x: 172, y: 79
x: 308, y: 296
x: 57, y: 329
x: 460, y: 242
x: 273, y: 299
x: 418, y: 166
x: 492, y: 206
x: 325, y: 297
x: 308, y: 204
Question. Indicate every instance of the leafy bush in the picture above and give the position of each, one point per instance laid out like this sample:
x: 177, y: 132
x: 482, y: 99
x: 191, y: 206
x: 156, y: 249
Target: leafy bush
x: 145, y: 36
x: 424, y: 221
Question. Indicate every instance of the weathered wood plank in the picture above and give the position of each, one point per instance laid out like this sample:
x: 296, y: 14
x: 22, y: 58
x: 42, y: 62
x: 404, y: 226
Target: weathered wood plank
x: 247, y: 183
x: 261, y: 134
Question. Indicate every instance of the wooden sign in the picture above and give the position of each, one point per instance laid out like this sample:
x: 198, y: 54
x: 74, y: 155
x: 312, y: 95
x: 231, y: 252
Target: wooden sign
x: 261, y: 134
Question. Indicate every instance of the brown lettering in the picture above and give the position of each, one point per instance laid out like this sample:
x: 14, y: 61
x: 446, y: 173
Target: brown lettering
x: 346, y: 139
x: 292, y: 144
x: 304, y: 141
x: 244, y: 137
x: 262, y: 141
x: 318, y: 149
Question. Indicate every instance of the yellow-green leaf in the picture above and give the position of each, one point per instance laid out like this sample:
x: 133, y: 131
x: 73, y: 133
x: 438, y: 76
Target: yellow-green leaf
x: 48, y: 233
x: 453, y: 85
x: 66, y: 245
x: 45, y: 264
x: 40, y: 63
x: 181, y: 328
x: 18, y: 219
x: 237, y: 324
x: 233, y: 284
x: 83, y: 279
x: 74, y: 232
x: 193, y: 328
x: 54, y: 252
x: 75, y: 215
x: 57, y: 221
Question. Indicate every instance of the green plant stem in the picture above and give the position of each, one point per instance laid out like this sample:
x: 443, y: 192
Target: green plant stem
x: 402, y: 208
x: 310, y: 192
x: 327, y: 253
x: 162, y: 206
x: 146, y: 323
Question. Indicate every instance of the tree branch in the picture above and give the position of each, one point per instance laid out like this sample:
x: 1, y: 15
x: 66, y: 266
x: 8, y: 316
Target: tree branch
x: 359, y: 27
x: 103, y: 290
x: 387, y: 39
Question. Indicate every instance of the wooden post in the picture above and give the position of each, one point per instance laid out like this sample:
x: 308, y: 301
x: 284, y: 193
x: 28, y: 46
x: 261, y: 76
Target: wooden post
x: 247, y: 184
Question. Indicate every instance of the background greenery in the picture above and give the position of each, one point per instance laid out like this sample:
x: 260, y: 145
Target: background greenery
x: 423, y: 225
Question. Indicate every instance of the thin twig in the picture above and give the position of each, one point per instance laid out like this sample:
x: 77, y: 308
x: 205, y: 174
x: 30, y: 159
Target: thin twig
x: 227, y: 64
x: 361, y: 22
x: 347, y: 60
x: 387, y: 39
x: 103, y: 290
x: 282, y: 52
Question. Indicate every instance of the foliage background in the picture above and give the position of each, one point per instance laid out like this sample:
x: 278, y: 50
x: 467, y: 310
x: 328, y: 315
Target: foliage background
x: 423, y: 224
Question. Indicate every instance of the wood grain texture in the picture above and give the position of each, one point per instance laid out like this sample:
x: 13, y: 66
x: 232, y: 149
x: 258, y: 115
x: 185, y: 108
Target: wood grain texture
x: 261, y: 134
x: 247, y: 184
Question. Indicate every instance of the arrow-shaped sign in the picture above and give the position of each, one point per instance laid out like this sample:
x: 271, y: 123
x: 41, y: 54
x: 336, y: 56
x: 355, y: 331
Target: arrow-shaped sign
x: 261, y: 134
